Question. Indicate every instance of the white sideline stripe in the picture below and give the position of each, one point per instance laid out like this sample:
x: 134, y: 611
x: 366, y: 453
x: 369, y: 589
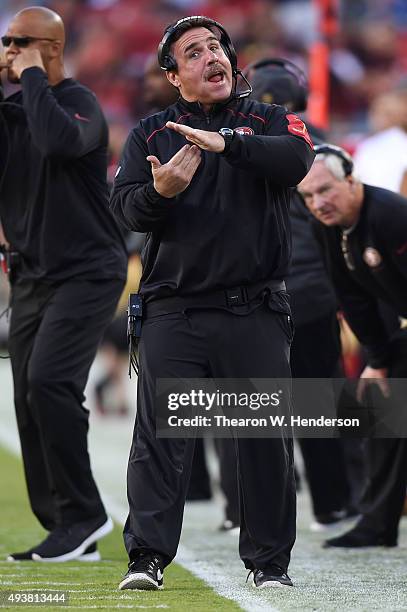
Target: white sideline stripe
x: 210, y: 574
x: 10, y: 440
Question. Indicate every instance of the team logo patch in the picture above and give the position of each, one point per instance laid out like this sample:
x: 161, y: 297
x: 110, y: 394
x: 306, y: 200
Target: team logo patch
x: 297, y: 127
x: 372, y: 257
x: 244, y: 130
x: 81, y: 118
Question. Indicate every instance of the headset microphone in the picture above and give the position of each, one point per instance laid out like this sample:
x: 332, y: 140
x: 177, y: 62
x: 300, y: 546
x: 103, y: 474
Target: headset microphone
x: 245, y: 92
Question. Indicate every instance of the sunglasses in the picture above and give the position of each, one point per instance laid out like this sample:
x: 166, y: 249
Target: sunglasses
x: 22, y: 41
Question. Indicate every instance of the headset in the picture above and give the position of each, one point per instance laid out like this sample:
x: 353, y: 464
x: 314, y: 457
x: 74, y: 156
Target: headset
x: 292, y: 69
x: 330, y: 149
x: 167, y: 61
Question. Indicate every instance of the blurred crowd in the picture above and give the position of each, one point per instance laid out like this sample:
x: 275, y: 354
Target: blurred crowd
x: 109, y: 42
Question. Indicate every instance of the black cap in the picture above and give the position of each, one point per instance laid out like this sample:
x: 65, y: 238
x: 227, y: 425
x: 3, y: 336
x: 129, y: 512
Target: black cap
x: 275, y: 84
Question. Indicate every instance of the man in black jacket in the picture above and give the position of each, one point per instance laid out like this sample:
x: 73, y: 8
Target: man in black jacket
x: 363, y: 231
x: 216, y: 255
x: 67, y: 267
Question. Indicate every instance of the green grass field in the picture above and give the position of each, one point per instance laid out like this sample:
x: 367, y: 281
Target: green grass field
x: 89, y: 585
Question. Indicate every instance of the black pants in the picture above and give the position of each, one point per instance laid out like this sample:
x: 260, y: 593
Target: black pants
x: 199, y: 483
x: 383, y: 498
x: 315, y: 354
x: 54, y: 334
x: 219, y: 344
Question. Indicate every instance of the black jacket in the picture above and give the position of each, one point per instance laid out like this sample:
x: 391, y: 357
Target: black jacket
x: 311, y: 291
x: 230, y: 227
x: 376, y: 251
x: 53, y: 190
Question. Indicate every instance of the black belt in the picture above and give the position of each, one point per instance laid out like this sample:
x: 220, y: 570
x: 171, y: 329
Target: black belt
x: 223, y: 298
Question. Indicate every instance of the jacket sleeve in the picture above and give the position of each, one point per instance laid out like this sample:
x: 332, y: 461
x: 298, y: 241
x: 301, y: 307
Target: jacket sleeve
x: 66, y: 132
x: 134, y: 201
x: 284, y: 154
x: 361, y: 311
x: 360, y: 308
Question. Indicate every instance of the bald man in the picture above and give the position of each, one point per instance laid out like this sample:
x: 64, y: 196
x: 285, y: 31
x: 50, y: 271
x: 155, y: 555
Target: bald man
x: 67, y: 267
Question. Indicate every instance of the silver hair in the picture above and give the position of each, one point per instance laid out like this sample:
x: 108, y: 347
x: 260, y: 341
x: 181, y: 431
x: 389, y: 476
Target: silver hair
x: 333, y: 163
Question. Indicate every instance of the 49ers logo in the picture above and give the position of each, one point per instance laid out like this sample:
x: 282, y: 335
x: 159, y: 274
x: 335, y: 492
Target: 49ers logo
x: 297, y: 127
x: 244, y: 131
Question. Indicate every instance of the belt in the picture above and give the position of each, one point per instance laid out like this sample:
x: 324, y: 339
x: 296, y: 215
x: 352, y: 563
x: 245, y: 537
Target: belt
x: 223, y: 298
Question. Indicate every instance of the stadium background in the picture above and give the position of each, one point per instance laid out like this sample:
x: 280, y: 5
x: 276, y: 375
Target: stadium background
x: 108, y: 43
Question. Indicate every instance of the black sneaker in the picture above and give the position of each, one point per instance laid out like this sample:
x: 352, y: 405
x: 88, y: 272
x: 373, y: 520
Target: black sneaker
x: 90, y: 554
x: 270, y: 577
x: 145, y: 573
x: 357, y: 538
x: 21, y: 556
x: 66, y: 543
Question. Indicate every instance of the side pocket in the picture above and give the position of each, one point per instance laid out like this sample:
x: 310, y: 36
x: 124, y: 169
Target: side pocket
x: 279, y: 303
x: 287, y: 325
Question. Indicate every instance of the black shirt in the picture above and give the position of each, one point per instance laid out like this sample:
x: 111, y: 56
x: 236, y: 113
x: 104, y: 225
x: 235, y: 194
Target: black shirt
x: 230, y: 227
x: 370, y: 263
x: 53, y: 192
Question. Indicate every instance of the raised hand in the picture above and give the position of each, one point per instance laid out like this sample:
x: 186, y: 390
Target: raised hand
x: 3, y: 61
x: 172, y: 178
x: 27, y: 58
x: 208, y: 141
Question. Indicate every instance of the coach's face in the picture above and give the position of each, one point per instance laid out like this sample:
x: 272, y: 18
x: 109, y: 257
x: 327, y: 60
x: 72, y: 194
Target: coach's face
x: 204, y: 73
x: 331, y: 200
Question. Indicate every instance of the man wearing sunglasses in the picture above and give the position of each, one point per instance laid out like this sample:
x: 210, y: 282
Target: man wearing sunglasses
x: 67, y: 270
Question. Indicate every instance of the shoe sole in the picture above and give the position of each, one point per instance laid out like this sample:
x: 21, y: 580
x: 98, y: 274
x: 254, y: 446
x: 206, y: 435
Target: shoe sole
x: 321, y: 528
x: 271, y: 584
x: 365, y: 547
x: 93, y: 556
x: 140, y: 582
x: 78, y: 552
x: 327, y: 527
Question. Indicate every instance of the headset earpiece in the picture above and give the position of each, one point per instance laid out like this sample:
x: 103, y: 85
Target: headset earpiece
x: 167, y: 61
